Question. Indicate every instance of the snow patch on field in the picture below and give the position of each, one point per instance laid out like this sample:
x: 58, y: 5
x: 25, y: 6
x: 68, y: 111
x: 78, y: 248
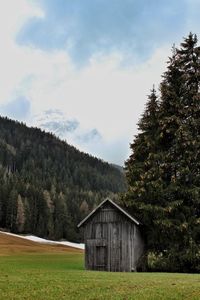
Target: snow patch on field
x: 44, y: 241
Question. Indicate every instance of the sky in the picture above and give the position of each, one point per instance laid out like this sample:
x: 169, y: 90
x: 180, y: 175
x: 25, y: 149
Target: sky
x: 83, y: 68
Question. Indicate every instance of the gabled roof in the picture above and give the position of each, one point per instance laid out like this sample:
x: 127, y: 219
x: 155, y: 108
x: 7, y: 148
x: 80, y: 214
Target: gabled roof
x: 115, y: 205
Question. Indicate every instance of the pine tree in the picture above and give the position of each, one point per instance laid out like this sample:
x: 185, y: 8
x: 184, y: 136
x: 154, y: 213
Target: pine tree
x: 20, y: 219
x: 11, y: 210
x: 142, y: 170
x: 164, y: 174
x: 180, y: 127
x: 187, y: 147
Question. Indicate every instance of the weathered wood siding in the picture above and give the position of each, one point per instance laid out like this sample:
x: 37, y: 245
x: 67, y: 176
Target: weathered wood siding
x: 113, y: 242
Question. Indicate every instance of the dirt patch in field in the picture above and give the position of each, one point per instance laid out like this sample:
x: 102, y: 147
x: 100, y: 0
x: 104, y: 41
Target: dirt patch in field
x: 15, y: 245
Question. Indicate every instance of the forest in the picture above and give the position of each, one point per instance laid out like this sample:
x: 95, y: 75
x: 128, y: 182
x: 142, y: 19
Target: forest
x: 46, y: 185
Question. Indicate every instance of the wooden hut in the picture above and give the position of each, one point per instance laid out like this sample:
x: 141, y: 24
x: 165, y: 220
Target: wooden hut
x: 113, y: 239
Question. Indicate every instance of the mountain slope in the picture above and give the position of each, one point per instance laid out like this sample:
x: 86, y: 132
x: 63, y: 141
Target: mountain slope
x: 12, y: 245
x: 46, y: 185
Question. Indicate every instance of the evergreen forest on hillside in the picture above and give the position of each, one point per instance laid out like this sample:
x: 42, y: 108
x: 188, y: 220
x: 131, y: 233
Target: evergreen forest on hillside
x: 163, y: 170
x: 48, y: 186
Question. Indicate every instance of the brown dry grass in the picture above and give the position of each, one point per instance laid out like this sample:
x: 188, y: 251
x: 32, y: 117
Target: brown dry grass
x: 11, y: 245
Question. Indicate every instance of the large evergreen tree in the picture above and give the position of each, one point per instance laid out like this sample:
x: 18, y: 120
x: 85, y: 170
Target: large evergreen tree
x: 163, y: 170
x: 142, y: 168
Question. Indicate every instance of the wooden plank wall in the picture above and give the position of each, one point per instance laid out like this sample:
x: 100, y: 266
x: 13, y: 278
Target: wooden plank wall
x: 113, y: 243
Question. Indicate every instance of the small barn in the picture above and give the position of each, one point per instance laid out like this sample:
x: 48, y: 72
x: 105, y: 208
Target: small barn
x: 113, y: 239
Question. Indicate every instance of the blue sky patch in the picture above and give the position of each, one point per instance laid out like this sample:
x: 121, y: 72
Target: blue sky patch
x: 18, y: 108
x: 85, y: 28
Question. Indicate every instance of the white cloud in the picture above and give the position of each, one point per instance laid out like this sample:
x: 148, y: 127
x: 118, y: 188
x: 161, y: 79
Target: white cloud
x: 12, y: 16
x: 103, y: 95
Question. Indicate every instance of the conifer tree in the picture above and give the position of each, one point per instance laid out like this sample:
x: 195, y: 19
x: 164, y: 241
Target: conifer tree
x: 180, y: 139
x: 12, y: 210
x: 164, y: 184
x: 187, y: 148
x: 142, y: 169
x: 20, y: 219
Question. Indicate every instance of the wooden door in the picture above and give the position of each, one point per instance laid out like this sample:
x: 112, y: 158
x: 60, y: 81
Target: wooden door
x: 96, y: 254
x: 96, y: 248
x: 101, y: 256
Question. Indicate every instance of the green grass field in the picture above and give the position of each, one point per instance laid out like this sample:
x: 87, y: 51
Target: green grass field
x: 61, y: 276
x: 40, y: 275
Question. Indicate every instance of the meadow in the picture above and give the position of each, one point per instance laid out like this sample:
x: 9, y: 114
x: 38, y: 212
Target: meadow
x: 32, y: 271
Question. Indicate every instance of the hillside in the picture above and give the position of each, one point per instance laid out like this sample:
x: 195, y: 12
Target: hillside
x: 12, y: 245
x: 48, y: 186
